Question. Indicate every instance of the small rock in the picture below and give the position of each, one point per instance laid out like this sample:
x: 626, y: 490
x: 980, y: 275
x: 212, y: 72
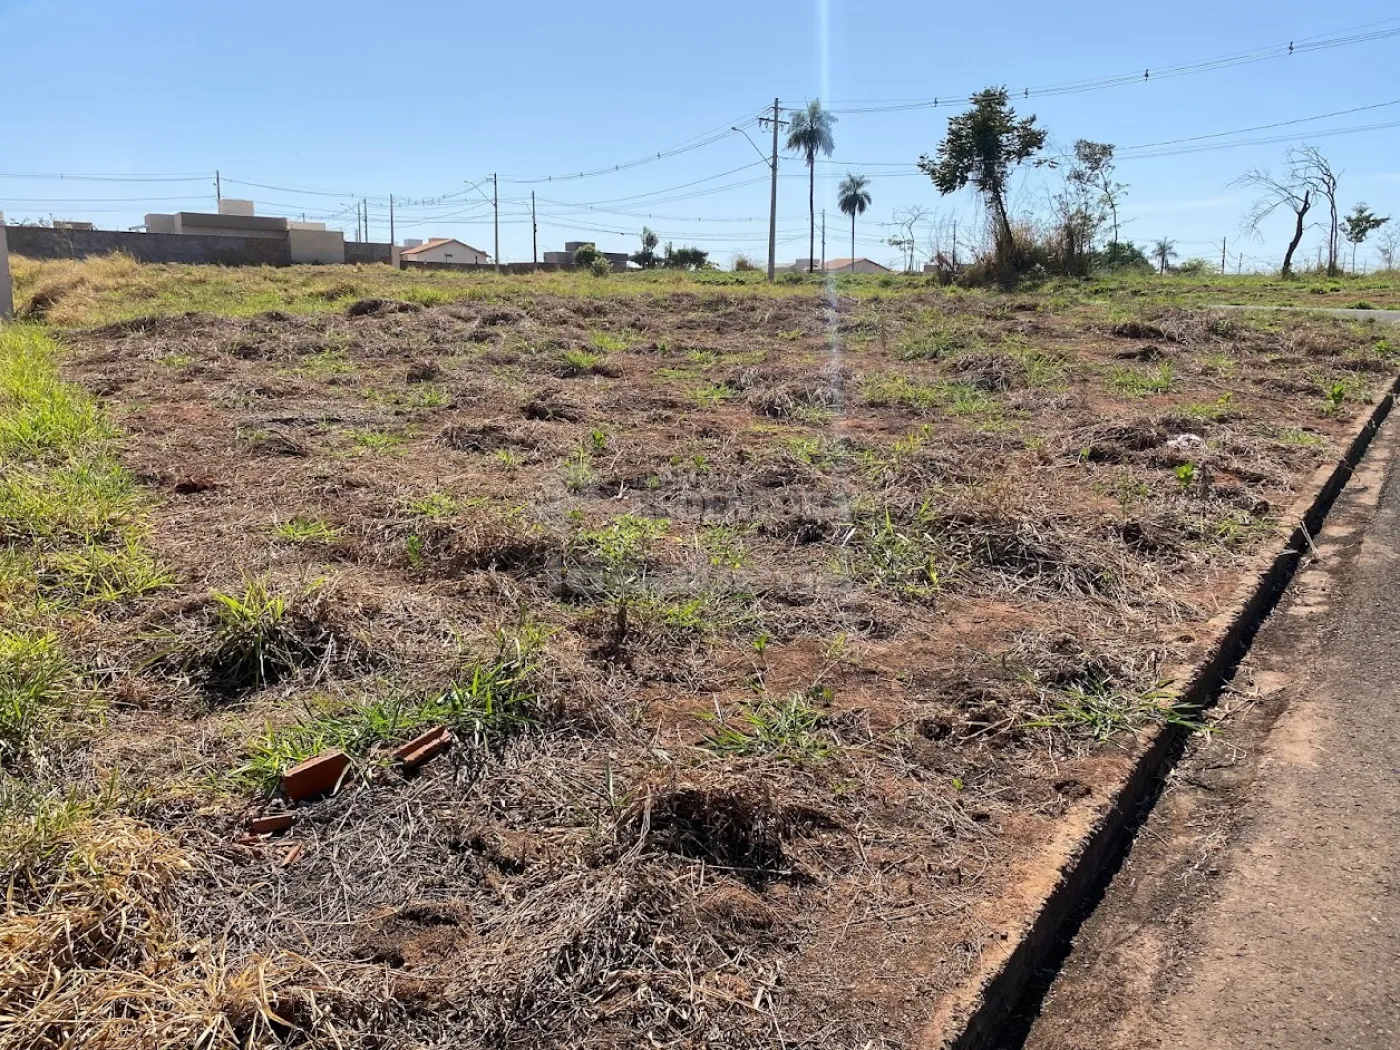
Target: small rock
x: 1182, y: 442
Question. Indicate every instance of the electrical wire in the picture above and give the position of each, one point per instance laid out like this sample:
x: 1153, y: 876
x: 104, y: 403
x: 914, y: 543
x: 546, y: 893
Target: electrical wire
x: 1322, y: 42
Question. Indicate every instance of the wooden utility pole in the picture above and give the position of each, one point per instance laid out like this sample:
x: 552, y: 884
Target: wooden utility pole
x: 534, y: 232
x: 773, y: 201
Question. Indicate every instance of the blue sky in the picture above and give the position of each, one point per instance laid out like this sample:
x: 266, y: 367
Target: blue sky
x: 423, y: 100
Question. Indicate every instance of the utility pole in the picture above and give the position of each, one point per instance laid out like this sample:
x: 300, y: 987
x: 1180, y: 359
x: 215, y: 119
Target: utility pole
x: 773, y: 201
x: 823, y: 240
x: 955, y: 245
x: 496, y: 210
x: 534, y: 232
x: 1222, y: 254
x: 357, y: 222
x: 366, y: 203
x: 391, y: 225
x: 218, y: 187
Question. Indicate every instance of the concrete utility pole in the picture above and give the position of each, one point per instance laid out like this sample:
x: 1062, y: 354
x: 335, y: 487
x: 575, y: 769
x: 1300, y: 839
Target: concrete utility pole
x: 534, y: 232
x: 365, y: 201
x: 823, y: 240
x: 773, y: 201
x: 496, y: 211
x: 7, y: 300
x: 391, y: 224
x: 1222, y: 254
x: 218, y: 188
x: 955, y: 245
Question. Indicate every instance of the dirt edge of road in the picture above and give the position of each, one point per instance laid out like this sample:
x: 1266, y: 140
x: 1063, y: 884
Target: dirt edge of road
x: 1085, y: 855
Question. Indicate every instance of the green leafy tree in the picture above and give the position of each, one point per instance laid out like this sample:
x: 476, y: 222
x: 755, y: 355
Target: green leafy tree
x: 853, y: 197
x: 1094, y: 169
x: 1359, y: 225
x: 585, y: 254
x: 809, y: 133
x: 1122, y: 255
x: 647, y: 258
x: 684, y: 258
x: 981, y: 148
x: 1164, y: 251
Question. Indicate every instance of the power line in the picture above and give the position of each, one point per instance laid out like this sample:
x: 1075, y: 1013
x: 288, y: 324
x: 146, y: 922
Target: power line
x: 1325, y: 41
x: 706, y: 138
x: 1259, y: 127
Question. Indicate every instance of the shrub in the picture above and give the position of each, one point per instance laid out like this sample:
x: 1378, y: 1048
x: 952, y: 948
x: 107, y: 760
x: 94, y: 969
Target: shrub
x: 585, y: 255
x: 600, y: 267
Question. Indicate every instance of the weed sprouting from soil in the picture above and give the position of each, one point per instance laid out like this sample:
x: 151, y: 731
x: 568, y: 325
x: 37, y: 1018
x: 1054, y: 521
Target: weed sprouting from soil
x: 306, y: 530
x: 787, y: 729
x: 1102, y: 711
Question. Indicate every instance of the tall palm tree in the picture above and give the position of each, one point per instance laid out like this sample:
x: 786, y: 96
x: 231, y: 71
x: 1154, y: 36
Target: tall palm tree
x: 809, y: 133
x: 853, y: 197
x: 1165, y: 251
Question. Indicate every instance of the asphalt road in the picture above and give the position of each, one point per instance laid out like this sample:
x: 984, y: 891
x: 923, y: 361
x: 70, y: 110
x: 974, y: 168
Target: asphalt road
x: 1260, y: 906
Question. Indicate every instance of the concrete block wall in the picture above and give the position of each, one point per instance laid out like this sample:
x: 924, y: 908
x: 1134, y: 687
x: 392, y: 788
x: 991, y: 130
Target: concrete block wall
x: 368, y: 252
x: 40, y: 242
x: 316, y: 246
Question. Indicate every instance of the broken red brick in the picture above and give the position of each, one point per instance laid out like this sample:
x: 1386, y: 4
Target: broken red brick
x: 422, y: 748
x: 315, y: 776
x: 271, y: 823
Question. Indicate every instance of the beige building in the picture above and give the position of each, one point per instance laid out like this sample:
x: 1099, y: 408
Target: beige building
x: 307, y: 242
x: 862, y: 265
x: 445, y: 250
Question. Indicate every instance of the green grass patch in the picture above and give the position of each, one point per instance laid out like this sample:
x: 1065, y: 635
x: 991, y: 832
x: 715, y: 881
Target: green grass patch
x: 789, y: 730
x: 1102, y: 711
x: 71, y: 533
x: 958, y: 399
x: 484, y: 702
x: 1134, y: 382
x: 306, y: 530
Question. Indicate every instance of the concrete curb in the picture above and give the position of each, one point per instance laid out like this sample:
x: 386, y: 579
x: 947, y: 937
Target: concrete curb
x: 980, y: 1011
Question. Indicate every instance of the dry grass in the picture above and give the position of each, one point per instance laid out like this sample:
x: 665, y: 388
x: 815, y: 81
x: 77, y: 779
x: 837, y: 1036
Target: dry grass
x: 772, y: 648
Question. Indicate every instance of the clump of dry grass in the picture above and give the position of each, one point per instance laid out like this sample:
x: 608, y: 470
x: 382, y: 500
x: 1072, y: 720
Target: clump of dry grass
x: 92, y: 954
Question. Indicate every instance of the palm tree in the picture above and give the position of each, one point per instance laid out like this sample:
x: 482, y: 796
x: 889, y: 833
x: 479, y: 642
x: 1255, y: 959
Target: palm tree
x: 1164, y: 251
x: 853, y: 198
x: 809, y: 133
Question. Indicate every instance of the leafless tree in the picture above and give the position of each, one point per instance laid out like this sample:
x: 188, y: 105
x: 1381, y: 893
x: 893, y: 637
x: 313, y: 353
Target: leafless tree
x: 1325, y: 181
x: 1388, y: 245
x: 1307, y: 180
x: 906, y: 221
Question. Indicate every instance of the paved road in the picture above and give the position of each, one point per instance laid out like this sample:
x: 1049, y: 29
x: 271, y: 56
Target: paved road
x: 1260, y: 907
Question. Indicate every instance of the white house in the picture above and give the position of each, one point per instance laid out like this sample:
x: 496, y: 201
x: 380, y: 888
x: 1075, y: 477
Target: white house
x: 445, y: 250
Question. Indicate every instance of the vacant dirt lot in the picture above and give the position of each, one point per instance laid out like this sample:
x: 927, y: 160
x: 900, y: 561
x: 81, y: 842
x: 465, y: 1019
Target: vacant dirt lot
x: 779, y: 634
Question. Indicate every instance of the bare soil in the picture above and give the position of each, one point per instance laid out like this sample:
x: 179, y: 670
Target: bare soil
x: 835, y: 591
